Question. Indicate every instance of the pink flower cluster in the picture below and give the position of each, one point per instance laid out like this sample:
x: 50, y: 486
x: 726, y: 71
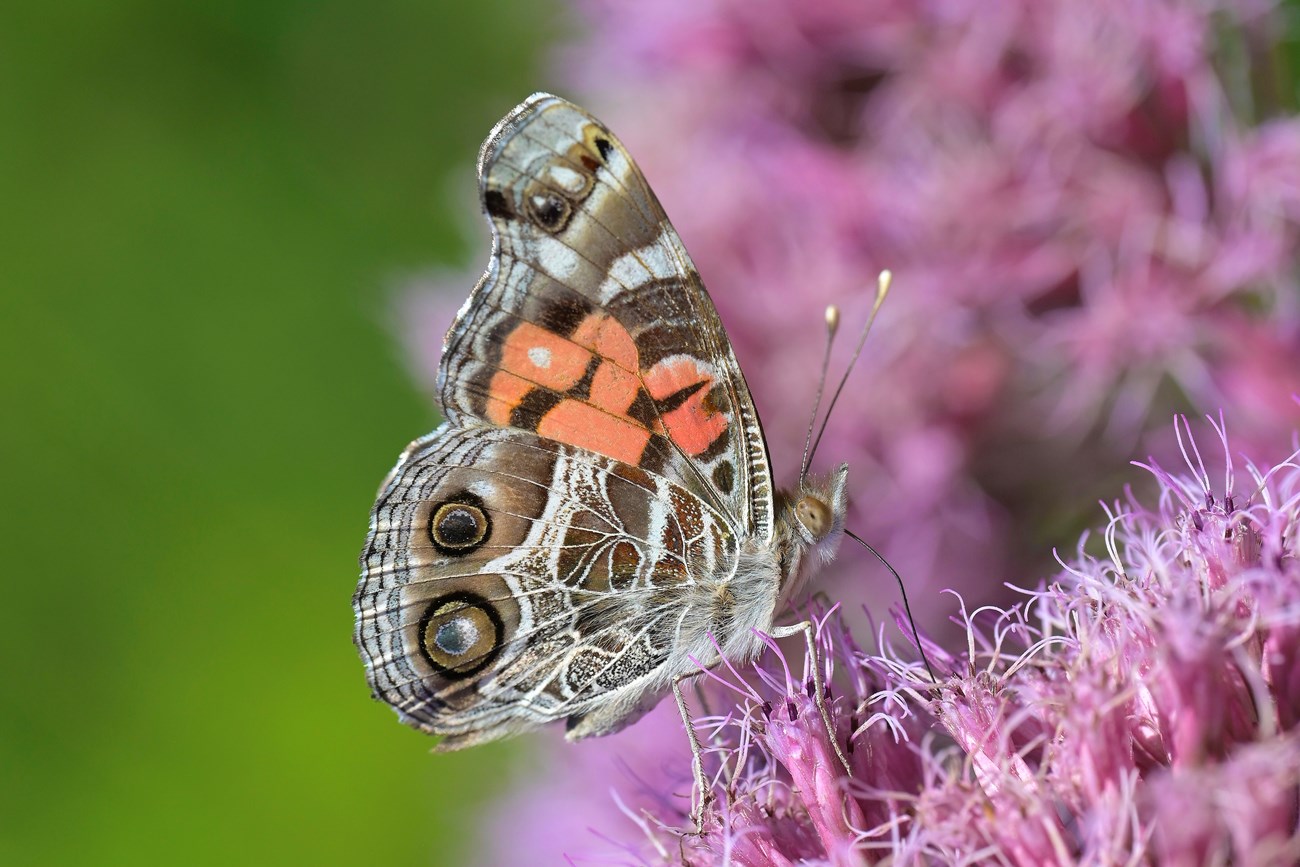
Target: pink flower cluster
x: 1141, y: 707
x: 1091, y: 209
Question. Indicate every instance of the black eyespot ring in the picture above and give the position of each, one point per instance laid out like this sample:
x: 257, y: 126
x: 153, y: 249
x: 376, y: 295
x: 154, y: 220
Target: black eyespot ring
x: 459, y: 525
x: 460, y: 634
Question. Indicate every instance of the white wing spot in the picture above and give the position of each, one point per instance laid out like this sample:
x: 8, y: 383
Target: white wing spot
x: 654, y: 261
x: 556, y: 260
x: 456, y: 637
x: 567, y: 179
x: 483, y: 488
x: 540, y: 356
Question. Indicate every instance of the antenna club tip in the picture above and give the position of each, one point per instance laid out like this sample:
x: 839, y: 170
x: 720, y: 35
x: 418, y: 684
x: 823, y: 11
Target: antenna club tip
x: 884, y: 281
x: 832, y: 319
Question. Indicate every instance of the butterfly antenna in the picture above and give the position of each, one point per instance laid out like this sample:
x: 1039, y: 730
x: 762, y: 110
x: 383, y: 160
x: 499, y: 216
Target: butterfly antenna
x: 832, y: 326
x: 882, y: 289
x: 901, y: 589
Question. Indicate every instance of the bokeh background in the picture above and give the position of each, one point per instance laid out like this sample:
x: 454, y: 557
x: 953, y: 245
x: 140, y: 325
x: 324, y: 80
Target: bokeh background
x: 205, y: 208
x: 232, y: 233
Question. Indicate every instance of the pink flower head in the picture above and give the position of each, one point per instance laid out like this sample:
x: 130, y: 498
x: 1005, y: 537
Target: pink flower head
x: 1142, y: 705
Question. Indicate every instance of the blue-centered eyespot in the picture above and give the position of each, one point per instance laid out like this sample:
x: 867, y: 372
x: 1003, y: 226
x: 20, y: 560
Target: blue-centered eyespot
x: 460, y: 634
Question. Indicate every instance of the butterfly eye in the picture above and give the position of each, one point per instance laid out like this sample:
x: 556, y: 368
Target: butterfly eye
x: 460, y: 634
x: 459, y: 526
x: 814, y: 515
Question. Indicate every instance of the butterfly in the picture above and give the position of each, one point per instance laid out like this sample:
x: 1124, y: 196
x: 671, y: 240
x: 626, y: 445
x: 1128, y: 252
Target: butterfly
x: 595, y: 518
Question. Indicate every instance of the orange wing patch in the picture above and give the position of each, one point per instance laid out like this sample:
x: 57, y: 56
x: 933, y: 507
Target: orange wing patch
x: 590, y: 408
x: 533, y: 357
x: 603, y: 334
x: 581, y: 424
x: 695, y: 424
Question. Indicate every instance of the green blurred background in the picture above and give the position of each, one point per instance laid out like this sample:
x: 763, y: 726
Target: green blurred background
x: 205, y: 210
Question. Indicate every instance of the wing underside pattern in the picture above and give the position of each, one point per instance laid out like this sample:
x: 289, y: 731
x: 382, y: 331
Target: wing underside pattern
x: 591, y: 325
x: 575, y: 592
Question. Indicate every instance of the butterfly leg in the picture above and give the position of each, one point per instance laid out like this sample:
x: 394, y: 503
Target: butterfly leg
x: 819, y: 691
x: 697, y: 759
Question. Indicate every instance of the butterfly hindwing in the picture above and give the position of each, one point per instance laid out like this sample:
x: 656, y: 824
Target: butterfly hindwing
x: 591, y: 326
x: 511, y: 581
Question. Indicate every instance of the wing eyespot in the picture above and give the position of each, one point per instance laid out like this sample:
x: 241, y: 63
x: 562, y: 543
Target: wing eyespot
x: 460, y: 634
x: 459, y: 525
x: 548, y: 210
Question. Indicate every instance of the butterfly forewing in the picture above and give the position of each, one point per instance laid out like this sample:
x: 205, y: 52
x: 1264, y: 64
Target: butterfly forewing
x: 591, y: 326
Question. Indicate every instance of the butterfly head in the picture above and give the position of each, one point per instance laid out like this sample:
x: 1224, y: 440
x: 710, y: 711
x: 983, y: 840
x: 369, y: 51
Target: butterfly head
x: 819, y: 506
x: 810, y: 526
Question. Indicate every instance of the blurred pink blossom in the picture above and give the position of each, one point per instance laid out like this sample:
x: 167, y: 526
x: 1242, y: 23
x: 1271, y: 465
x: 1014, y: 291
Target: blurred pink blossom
x: 1142, y: 706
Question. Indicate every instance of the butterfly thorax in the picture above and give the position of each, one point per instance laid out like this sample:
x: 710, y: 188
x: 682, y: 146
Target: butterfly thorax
x: 808, y: 529
x: 769, y: 575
